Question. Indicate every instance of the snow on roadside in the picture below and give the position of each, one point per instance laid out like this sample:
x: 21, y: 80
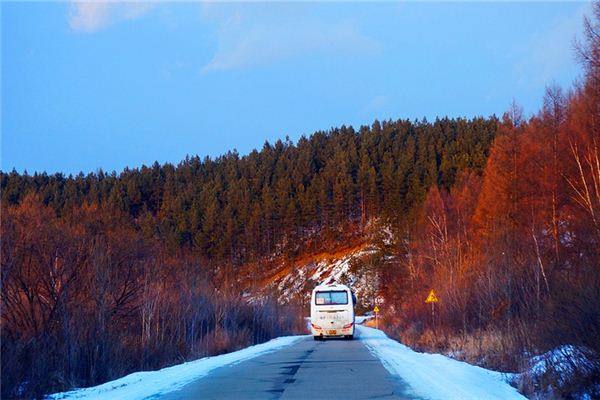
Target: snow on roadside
x: 564, y: 360
x: 140, y: 385
x: 360, y: 319
x: 434, y: 376
x: 565, y: 366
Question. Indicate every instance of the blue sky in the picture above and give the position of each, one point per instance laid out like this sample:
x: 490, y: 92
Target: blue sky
x: 110, y: 85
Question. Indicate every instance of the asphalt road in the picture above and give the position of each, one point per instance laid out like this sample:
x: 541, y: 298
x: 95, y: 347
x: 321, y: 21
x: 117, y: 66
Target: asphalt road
x: 330, y: 369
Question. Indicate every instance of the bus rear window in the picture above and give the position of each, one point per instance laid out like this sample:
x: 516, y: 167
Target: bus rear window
x: 331, y: 297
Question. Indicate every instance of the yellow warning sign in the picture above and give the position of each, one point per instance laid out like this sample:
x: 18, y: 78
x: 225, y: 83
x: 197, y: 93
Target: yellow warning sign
x: 376, y: 309
x: 432, y: 298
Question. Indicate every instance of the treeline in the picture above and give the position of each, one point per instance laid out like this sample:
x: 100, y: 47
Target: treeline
x: 239, y: 209
x: 514, y: 255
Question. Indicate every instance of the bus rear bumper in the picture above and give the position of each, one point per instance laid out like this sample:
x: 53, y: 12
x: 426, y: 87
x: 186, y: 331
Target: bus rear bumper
x: 332, y: 332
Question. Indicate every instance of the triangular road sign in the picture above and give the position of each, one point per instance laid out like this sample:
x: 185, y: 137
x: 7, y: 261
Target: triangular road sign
x: 432, y: 298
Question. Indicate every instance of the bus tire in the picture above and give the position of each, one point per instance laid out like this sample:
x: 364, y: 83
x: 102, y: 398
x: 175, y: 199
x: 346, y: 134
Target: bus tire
x: 317, y: 337
x: 349, y: 337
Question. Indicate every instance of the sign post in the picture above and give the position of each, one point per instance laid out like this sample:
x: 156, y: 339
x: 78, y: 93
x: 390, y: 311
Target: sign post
x: 432, y: 298
x: 376, y: 310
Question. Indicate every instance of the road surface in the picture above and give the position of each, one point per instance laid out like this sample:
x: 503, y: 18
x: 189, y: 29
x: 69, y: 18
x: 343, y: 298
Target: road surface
x: 330, y: 369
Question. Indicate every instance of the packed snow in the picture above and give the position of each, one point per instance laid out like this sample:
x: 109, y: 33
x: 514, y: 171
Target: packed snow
x: 434, y: 376
x: 141, y: 385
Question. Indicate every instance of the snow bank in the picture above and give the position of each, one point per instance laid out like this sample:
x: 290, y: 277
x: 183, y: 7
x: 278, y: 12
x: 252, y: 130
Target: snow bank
x: 140, y: 385
x: 360, y: 319
x: 563, y: 360
x: 434, y: 376
x: 567, y: 367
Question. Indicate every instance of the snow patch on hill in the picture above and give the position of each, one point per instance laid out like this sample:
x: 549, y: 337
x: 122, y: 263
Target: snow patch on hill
x: 304, y: 277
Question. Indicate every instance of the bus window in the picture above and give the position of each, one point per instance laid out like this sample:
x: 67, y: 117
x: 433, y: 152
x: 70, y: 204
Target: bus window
x: 333, y: 297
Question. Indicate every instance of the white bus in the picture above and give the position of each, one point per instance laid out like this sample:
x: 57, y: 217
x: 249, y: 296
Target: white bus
x: 332, y: 311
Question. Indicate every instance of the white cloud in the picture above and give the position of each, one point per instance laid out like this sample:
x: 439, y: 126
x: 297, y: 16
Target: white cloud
x: 251, y: 39
x: 88, y: 16
x: 377, y: 103
x: 137, y: 10
x: 91, y: 16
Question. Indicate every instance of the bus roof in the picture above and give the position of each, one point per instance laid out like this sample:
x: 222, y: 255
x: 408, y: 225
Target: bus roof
x: 331, y: 286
